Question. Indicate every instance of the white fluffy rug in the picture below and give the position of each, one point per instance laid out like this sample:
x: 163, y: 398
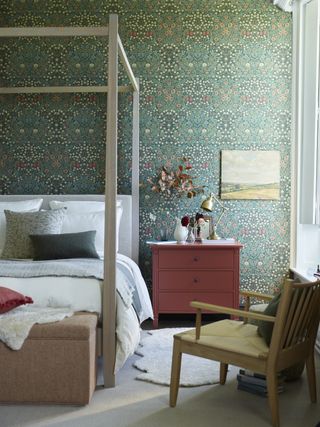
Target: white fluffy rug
x: 155, y: 363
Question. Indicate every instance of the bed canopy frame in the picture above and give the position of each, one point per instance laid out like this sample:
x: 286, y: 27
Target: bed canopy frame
x: 115, y: 51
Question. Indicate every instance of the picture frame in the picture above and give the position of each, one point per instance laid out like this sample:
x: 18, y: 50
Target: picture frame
x: 250, y: 174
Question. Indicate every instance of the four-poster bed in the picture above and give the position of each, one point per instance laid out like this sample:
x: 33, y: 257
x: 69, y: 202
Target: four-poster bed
x: 115, y: 52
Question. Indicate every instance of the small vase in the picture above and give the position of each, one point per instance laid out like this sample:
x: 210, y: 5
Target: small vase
x: 190, y: 237
x: 180, y: 232
x: 164, y: 234
x: 198, y: 234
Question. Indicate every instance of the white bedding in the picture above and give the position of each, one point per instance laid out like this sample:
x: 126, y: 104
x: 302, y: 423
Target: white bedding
x: 84, y: 294
x: 79, y: 294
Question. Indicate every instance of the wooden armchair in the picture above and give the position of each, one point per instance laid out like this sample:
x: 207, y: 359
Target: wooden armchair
x: 251, y: 294
x: 238, y: 343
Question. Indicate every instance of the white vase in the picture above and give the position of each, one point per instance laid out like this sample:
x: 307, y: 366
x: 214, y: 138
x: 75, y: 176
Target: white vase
x: 180, y: 233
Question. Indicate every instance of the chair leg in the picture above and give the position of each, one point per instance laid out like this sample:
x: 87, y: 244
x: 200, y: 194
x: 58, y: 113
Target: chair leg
x: 175, y: 372
x: 311, y: 375
x: 272, y: 386
x: 223, y: 372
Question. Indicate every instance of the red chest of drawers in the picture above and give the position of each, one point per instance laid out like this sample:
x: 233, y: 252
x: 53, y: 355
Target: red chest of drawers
x: 181, y: 273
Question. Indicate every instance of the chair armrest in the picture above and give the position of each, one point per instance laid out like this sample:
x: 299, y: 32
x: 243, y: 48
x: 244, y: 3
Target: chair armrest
x: 232, y: 311
x: 248, y: 294
x: 258, y: 295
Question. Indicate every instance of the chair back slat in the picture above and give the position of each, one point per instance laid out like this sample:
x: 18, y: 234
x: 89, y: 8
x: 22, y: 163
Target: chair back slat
x: 310, y: 323
x: 289, y: 319
x: 313, y: 325
x: 303, y: 311
x: 306, y: 313
x: 296, y: 321
x: 299, y: 304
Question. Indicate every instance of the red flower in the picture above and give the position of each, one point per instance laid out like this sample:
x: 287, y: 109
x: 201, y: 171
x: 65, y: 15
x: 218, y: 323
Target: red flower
x: 185, y: 221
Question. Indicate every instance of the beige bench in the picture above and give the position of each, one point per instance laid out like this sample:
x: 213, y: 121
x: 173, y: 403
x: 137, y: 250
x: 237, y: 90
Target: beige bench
x: 57, y: 364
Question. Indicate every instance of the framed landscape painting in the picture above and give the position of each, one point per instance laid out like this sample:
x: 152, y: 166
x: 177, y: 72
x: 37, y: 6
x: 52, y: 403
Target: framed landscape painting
x: 250, y: 175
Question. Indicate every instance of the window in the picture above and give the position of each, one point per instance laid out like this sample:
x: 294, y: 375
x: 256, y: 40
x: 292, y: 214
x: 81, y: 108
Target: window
x: 306, y: 136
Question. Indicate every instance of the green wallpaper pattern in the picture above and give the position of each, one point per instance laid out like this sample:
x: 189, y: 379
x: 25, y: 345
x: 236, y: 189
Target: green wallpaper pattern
x: 215, y: 75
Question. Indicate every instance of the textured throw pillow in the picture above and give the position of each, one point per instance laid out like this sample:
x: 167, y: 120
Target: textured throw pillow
x: 265, y: 329
x: 10, y: 299
x: 64, y: 246
x: 19, y: 206
x: 21, y: 224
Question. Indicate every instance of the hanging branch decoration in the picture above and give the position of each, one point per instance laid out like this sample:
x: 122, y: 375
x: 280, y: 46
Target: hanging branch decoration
x: 177, y: 182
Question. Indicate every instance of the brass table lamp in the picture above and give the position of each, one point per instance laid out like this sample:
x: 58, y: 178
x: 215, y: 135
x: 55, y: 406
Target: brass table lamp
x: 208, y: 205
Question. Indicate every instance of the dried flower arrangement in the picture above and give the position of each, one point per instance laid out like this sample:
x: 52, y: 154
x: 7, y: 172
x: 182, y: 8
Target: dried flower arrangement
x: 176, y: 182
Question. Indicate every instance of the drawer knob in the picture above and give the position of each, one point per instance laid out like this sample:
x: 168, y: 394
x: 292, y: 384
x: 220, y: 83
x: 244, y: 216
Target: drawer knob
x: 195, y: 258
x: 195, y: 280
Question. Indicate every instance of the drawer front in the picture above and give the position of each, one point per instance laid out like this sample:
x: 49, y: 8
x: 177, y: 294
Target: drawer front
x: 174, y: 302
x: 193, y: 258
x: 195, y: 280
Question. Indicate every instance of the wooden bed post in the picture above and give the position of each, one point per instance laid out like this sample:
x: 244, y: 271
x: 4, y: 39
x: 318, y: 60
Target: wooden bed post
x: 109, y: 288
x: 135, y: 175
x: 116, y: 51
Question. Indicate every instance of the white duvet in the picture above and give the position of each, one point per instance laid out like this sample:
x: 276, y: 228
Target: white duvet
x: 84, y: 294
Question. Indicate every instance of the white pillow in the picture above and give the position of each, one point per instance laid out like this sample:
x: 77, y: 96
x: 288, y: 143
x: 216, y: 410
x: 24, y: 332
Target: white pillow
x: 78, y: 206
x: 77, y: 218
x: 20, y: 206
x: 86, y: 221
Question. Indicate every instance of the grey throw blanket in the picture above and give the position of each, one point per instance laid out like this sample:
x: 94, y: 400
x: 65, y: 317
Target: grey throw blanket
x: 75, y: 267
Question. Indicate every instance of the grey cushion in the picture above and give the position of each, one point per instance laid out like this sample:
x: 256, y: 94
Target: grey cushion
x: 62, y: 246
x: 21, y: 224
x: 265, y: 329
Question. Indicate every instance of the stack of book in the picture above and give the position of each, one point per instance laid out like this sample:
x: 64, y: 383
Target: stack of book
x: 256, y: 383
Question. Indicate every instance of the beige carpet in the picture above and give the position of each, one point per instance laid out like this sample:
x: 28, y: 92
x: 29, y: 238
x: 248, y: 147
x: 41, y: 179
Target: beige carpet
x: 140, y: 404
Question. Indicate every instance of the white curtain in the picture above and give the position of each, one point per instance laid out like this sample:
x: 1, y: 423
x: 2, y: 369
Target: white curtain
x: 285, y: 5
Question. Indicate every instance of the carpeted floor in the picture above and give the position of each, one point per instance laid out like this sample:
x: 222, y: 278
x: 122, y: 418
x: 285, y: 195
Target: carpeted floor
x: 140, y: 404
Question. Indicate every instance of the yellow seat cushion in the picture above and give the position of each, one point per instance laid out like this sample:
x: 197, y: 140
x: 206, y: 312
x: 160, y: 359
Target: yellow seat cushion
x: 230, y: 335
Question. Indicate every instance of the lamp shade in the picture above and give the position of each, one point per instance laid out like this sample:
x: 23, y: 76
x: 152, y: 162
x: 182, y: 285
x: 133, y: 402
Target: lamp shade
x: 207, y: 204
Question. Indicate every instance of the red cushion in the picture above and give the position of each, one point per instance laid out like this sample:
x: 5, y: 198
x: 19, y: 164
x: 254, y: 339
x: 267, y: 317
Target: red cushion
x: 10, y: 299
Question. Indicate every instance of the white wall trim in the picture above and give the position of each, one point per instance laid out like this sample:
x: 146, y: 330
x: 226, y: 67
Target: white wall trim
x: 296, y: 127
x: 304, y: 246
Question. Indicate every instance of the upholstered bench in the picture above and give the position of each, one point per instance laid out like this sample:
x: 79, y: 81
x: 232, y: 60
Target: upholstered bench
x: 57, y: 364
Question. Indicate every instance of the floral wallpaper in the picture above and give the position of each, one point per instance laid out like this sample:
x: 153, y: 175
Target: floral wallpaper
x: 215, y: 75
